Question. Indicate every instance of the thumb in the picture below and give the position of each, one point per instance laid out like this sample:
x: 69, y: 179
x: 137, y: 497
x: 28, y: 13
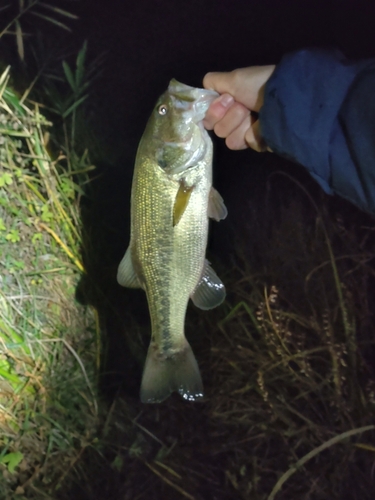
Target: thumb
x: 219, y: 81
x: 246, y: 85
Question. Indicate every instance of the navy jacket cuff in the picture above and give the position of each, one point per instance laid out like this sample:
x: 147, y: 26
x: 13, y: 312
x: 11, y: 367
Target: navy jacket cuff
x: 300, y: 116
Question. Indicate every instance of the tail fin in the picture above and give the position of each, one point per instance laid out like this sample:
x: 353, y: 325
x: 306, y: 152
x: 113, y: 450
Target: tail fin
x: 165, y: 374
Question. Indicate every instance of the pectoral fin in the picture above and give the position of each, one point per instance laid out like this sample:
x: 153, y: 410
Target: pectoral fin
x: 216, y: 208
x: 210, y: 291
x: 126, y: 275
x: 181, y: 201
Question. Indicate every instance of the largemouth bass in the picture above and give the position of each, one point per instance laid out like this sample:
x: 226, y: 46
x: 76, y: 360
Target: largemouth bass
x: 171, y: 201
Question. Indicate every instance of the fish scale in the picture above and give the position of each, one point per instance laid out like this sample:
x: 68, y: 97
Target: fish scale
x: 170, y: 209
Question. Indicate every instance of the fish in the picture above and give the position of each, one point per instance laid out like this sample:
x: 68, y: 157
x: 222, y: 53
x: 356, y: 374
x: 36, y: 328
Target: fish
x: 172, y: 200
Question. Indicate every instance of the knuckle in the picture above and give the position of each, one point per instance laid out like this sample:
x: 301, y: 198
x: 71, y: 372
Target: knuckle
x: 208, y: 125
x: 232, y: 143
x: 236, y: 76
x: 207, y: 80
x: 240, y: 112
x: 236, y: 141
x: 220, y: 130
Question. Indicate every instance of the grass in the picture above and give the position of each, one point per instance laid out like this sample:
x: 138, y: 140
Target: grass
x: 48, y: 342
x: 287, y: 365
x: 287, y: 361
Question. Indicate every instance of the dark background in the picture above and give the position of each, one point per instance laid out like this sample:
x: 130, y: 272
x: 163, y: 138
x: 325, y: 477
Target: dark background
x: 145, y: 44
x: 148, y: 42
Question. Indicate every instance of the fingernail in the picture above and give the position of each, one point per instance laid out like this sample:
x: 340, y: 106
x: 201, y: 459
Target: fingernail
x: 226, y: 100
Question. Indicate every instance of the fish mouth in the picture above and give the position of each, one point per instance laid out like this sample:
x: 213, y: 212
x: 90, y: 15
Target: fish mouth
x: 191, y: 99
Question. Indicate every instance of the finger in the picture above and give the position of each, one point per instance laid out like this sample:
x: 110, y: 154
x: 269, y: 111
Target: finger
x: 218, y: 81
x: 246, y: 85
x: 253, y: 138
x: 226, y: 82
x: 232, y: 119
x: 236, y: 140
x: 217, y: 110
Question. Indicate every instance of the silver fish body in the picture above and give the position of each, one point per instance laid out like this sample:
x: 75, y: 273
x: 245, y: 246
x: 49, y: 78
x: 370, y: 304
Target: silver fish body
x: 171, y: 202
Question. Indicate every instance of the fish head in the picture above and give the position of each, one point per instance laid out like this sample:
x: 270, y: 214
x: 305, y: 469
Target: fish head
x: 190, y: 102
x: 175, y: 128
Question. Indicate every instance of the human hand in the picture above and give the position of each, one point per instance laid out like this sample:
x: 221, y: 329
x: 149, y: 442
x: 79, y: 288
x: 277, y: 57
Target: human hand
x: 234, y: 114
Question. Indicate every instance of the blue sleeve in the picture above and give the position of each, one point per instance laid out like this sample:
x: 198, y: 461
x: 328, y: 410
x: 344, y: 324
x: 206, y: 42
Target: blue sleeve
x: 319, y: 111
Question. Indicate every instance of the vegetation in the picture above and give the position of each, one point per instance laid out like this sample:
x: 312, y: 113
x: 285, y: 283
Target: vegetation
x: 287, y: 365
x: 287, y: 361
x: 20, y: 17
x: 48, y: 408
x: 49, y: 345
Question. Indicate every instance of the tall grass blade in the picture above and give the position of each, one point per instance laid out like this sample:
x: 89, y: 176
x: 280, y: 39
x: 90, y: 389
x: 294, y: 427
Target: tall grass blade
x: 19, y: 39
x: 69, y: 76
x: 51, y: 20
x: 313, y: 453
x: 58, y: 10
x: 74, y: 106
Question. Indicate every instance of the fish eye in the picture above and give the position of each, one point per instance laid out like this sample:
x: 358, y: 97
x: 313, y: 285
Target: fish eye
x: 162, y: 110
